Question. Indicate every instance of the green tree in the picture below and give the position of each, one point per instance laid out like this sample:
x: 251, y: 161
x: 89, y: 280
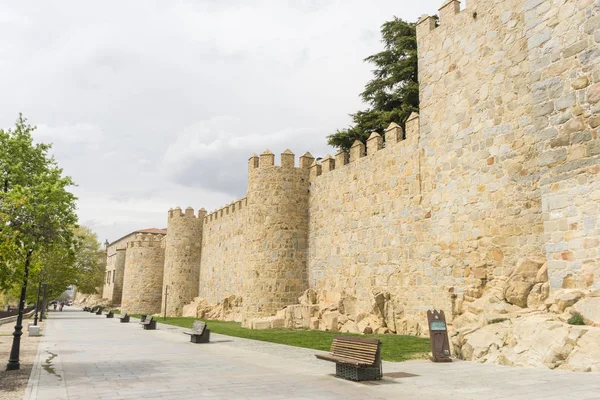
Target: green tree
x: 36, y: 208
x: 37, y: 211
x: 393, y: 93
x: 90, y: 272
x: 63, y: 264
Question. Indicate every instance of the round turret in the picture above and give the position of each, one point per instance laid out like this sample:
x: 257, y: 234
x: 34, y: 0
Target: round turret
x: 182, y: 259
x: 277, y: 233
x: 144, y: 267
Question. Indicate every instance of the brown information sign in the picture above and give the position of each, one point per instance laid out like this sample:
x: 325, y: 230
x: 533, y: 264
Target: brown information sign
x: 440, y: 345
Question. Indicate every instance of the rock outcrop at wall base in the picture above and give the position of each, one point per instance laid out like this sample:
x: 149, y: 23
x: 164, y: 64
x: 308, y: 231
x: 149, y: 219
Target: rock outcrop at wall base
x: 518, y: 322
x: 229, y: 309
x: 91, y: 300
x: 531, y: 340
x: 339, y: 312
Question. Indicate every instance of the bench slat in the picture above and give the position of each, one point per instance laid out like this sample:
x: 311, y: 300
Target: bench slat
x: 353, y: 350
x: 357, y: 352
x: 354, y: 344
x: 351, y: 353
x: 350, y: 346
x: 329, y: 357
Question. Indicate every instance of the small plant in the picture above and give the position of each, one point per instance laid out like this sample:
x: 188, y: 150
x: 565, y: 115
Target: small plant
x: 576, y: 319
x: 496, y: 321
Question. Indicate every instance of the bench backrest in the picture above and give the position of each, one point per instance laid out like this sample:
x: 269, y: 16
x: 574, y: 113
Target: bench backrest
x: 364, y: 350
x: 199, y: 327
x: 148, y: 320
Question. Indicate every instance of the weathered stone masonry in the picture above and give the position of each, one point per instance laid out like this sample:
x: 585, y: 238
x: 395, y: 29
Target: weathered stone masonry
x: 144, y: 269
x: 501, y: 164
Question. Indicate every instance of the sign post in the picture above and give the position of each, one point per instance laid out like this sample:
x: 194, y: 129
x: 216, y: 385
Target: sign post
x: 438, y: 332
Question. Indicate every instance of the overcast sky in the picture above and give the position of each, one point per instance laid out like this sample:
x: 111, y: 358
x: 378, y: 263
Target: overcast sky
x: 151, y: 105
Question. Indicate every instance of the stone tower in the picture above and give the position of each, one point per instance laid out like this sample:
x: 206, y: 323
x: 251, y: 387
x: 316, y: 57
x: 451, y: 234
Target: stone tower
x: 182, y: 259
x: 277, y: 233
x: 143, y: 280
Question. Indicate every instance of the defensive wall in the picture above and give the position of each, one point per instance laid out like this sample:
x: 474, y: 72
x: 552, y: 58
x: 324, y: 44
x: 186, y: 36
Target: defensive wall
x: 224, y: 252
x: 502, y: 163
x: 144, y: 270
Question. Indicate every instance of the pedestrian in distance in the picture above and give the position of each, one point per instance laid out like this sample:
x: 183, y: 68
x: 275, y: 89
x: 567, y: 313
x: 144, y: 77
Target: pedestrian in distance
x: 62, y: 304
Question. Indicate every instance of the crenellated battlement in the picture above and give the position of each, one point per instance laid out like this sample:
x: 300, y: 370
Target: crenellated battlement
x: 500, y: 165
x: 188, y: 213
x: 146, y: 240
x: 288, y: 160
x: 394, y: 135
x: 229, y: 209
x: 450, y: 15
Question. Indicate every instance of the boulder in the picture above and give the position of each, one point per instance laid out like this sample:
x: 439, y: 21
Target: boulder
x: 347, y: 305
x: 261, y: 323
x: 409, y: 326
x: 314, y: 323
x: 195, y: 309
x: 521, y: 281
x: 329, y: 321
x: 589, y: 308
x: 517, y: 290
x: 368, y: 323
x: 585, y: 356
x: 532, y: 340
x: 482, y: 341
x: 468, y: 320
x: 564, y: 298
x: 538, y: 295
x: 594, y: 293
x: 542, y: 274
x: 530, y: 268
x: 278, y: 323
x: 308, y: 298
x: 349, y: 327
x: 189, y: 311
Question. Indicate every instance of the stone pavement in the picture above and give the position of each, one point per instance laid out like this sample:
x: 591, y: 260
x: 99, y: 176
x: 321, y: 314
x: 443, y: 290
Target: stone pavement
x: 85, y: 356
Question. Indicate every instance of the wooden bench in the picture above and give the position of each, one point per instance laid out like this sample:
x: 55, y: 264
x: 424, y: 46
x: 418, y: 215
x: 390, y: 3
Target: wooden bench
x: 355, y: 358
x: 148, y: 323
x: 199, y: 333
x: 93, y: 309
x: 110, y: 314
x: 99, y: 312
x: 124, y: 318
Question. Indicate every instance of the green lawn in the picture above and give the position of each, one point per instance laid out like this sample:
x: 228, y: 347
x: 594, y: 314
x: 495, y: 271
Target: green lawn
x: 394, y: 347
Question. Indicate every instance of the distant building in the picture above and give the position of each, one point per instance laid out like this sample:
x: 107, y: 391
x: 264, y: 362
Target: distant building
x: 115, y: 264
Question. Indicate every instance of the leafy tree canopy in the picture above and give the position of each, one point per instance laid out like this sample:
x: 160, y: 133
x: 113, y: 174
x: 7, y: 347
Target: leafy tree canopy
x: 37, y: 211
x: 393, y: 93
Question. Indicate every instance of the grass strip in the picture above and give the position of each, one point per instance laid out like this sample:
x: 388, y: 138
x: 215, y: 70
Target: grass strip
x: 394, y: 347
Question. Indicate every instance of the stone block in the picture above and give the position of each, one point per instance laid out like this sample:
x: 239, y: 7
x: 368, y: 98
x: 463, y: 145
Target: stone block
x: 589, y: 308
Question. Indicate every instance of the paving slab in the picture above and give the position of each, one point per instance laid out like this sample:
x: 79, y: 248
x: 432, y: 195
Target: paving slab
x: 86, y: 356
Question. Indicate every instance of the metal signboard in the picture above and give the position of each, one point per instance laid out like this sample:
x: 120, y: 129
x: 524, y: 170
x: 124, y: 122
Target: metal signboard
x: 438, y: 332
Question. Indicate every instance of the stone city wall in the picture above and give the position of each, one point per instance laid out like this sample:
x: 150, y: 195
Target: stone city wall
x: 277, y: 234
x: 501, y: 165
x: 223, y: 266
x: 144, y: 269
x: 183, y: 247
x: 564, y: 51
x: 368, y: 230
x: 115, y: 270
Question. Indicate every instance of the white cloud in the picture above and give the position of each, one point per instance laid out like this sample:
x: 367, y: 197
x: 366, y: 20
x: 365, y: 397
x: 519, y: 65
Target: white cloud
x: 154, y: 104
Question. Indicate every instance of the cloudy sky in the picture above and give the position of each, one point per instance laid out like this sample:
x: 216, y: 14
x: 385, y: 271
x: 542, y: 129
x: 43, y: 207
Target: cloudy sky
x: 154, y: 104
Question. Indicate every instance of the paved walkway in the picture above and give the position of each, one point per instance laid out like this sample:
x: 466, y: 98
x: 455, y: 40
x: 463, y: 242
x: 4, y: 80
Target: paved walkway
x: 84, y: 356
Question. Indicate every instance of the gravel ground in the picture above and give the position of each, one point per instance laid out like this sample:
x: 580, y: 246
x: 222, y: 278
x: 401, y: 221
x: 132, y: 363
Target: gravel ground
x: 13, y: 383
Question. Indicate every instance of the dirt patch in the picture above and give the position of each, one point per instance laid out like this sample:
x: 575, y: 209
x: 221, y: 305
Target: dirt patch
x: 14, y: 383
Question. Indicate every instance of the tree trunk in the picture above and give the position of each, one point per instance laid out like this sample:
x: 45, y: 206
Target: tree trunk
x: 13, y: 361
